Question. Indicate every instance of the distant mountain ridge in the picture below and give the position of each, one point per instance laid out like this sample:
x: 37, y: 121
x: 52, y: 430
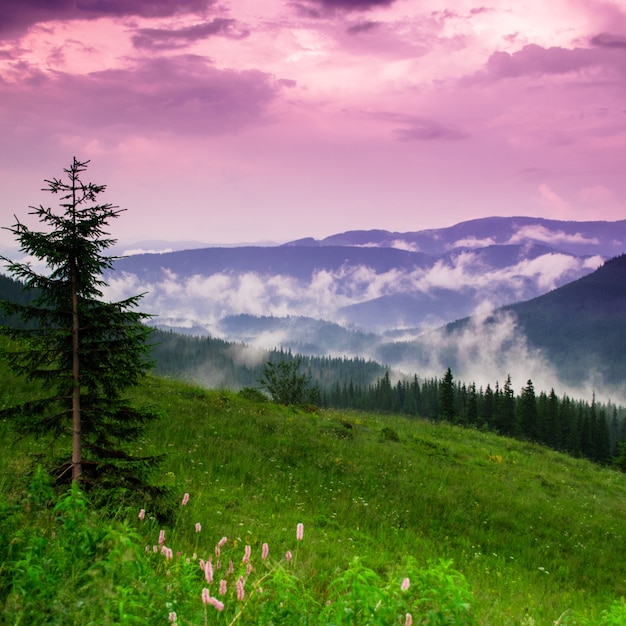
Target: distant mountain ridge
x: 572, y: 338
x: 580, y: 238
x: 370, y: 281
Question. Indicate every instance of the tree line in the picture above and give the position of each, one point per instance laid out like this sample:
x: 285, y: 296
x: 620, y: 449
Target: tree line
x: 580, y: 428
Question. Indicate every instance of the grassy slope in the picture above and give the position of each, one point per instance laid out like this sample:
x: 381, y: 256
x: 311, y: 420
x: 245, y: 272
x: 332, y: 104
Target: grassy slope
x: 533, y: 531
x: 529, y: 528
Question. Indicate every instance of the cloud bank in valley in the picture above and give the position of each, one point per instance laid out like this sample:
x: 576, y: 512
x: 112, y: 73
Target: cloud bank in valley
x: 490, y: 348
x: 201, y: 301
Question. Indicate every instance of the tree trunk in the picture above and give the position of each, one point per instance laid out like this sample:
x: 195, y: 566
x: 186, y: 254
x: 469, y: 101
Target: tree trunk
x: 77, y: 454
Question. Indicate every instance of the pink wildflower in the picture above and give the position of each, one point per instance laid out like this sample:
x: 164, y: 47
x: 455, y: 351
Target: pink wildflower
x: 223, y: 587
x: 198, y: 527
x: 265, y: 550
x: 240, y: 589
x: 205, y: 595
x: 246, y: 554
x: 231, y: 567
x: 288, y: 556
x: 142, y: 513
x: 222, y: 541
x: 248, y: 569
x: 408, y: 620
x: 173, y: 617
x: 299, y: 532
x: 161, y: 537
x: 208, y: 572
x: 185, y: 500
x: 406, y: 583
x: 218, y: 604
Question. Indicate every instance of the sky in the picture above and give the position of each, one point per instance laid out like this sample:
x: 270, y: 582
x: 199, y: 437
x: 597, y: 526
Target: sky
x: 270, y: 120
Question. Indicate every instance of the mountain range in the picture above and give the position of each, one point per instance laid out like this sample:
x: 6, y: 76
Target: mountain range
x: 392, y: 296
x: 371, y: 281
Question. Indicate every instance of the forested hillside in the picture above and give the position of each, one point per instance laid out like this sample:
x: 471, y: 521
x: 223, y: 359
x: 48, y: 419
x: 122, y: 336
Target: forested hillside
x: 582, y: 325
x: 580, y: 427
x: 215, y: 363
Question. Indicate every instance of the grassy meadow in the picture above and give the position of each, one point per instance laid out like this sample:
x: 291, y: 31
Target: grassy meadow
x: 488, y: 530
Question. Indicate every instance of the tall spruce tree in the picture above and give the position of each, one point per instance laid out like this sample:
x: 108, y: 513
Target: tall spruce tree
x: 447, y: 410
x: 527, y: 414
x: 82, y: 352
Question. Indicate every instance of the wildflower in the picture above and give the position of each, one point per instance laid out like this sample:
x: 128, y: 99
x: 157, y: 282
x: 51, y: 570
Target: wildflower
x: 265, y: 550
x: 246, y: 554
x: 299, y: 531
x: 222, y: 541
x: 173, y: 617
x: 208, y: 571
x: 223, y: 587
x: 218, y: 604
x: 408, y: 620
x: 288, y: 556
x: 205, y: 595
x: 169, y: 554
x: 231, y: 567
x: 161, y: 537
x: 240, y: 590
x: 142, y: 513
x: 248, y: 569
x: 198, y: 527
x: 406, y: 583
x: 185, y: 500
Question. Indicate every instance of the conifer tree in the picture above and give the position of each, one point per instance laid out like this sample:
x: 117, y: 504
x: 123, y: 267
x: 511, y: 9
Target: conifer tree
x: 507, y: 420
x: 528, y: 418
x: 447, y: 409
x: 81, y: 353
x: 285, y: 384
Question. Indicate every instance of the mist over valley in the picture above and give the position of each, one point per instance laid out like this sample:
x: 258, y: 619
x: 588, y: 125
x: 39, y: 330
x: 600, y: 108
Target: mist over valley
x: 390, y: 297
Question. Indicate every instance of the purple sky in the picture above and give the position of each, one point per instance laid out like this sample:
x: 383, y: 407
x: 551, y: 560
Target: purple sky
x: 258, y: 120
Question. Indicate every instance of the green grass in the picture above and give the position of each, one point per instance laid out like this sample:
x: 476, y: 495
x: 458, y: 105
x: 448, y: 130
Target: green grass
x: 534, y: 533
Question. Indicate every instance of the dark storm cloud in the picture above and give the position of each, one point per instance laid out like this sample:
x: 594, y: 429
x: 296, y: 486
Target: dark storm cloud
x: 161, y: 38
x: 353, y: 5
x: 319, y: 8
x: 363, y: 27
x: 608, y: 40
x: 18, y: 15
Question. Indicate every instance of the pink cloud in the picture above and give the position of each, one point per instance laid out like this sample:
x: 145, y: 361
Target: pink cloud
x: 552, y: 204
x: 429, y: 130
x: 183, y: 94
x: 535, y: 60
